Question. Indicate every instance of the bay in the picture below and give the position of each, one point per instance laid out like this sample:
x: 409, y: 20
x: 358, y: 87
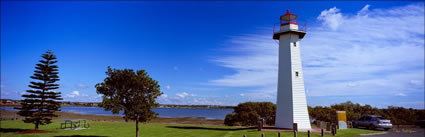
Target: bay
x: 208, y: 113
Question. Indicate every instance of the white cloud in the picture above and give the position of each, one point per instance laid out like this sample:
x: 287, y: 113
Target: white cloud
x: 182, y: 95
x: 331, y: 18
x: 77, y: 96
x: 81, y: 86
x: 167, y: 87
x: 351, y: 84
x: 190, y: 99
x: 378, y: 54
x: 11, y: 94
x: 363, y: 11
x: 164, y: 96
x: 256, y: 67
x: 401, y: 95
x: 73, y: 94
x: 417, y: 82
x: 365, y: 50
x: 260, y: 93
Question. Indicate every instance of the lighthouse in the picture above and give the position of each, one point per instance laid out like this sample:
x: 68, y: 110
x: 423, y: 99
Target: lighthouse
x: 291, y: 100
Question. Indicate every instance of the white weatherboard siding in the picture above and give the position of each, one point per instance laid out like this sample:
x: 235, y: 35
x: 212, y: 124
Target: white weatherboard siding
x: 291, y: 99
x: 284, y: 109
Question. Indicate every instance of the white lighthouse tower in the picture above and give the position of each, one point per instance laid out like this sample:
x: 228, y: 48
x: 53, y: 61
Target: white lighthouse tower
x: 291, y: 99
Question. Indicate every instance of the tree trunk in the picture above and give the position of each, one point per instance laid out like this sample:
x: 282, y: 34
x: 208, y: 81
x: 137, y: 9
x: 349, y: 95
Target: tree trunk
x: 137, y: 127
x: 36, y: 125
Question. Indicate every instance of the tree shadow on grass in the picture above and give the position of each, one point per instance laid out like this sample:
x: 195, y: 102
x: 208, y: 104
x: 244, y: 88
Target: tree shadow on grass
x: 208, y: 128
x: 80, y: 136
x: 9, y: 130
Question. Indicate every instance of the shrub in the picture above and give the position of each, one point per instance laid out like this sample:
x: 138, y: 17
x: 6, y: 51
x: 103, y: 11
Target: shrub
x: 249, y: 113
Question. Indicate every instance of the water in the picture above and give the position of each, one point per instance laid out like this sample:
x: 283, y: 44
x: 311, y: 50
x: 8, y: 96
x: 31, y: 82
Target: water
x: 162, y: 112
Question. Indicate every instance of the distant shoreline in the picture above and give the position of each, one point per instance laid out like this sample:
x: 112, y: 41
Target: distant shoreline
x: 160, y: 106
x: 7, y: 115
x: 207, y: 113
x: 13, y: 103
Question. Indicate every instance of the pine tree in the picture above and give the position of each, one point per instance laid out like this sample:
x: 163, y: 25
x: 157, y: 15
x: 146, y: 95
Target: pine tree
x: 41, y: 101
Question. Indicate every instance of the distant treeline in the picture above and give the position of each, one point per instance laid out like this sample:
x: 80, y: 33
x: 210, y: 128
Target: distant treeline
x: 397, y: 115
x: 195, y: 106
x: 248, y: 113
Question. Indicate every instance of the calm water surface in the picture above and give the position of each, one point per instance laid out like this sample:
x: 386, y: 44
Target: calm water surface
x: 162, y: 112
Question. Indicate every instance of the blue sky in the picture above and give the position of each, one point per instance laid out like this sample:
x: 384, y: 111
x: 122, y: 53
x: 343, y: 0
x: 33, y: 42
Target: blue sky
x: 220, y: 53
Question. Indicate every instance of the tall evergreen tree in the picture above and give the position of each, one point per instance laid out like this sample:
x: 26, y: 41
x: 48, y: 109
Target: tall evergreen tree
x: 41, y: 101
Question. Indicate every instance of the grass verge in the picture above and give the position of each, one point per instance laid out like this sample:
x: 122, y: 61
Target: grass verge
x: 13, y: 128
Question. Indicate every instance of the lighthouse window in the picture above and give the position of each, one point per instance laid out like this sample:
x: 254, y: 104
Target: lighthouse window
x: 295, y: 44
x: 296, y: 74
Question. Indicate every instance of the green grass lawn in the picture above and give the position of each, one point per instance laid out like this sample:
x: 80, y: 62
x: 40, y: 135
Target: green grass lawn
x: 122, y: 129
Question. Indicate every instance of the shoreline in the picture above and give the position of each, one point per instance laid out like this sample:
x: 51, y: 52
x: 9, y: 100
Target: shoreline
x: 160, y: 106
x: 7, y: 115
x: 216, y: 113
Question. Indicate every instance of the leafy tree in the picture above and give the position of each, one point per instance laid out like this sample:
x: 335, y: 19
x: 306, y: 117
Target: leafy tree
x: 40, y: 102
x: 231, y: 120
x: 248, y: 114
x: 131, y: 92
x: 322, y: 113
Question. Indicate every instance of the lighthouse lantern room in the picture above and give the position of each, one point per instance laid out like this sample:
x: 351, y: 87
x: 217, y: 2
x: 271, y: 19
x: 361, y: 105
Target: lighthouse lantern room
x: 288, y: 22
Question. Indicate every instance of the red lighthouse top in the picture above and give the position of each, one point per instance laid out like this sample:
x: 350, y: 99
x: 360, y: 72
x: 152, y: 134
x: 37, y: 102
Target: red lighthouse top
x: 288, y: 18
